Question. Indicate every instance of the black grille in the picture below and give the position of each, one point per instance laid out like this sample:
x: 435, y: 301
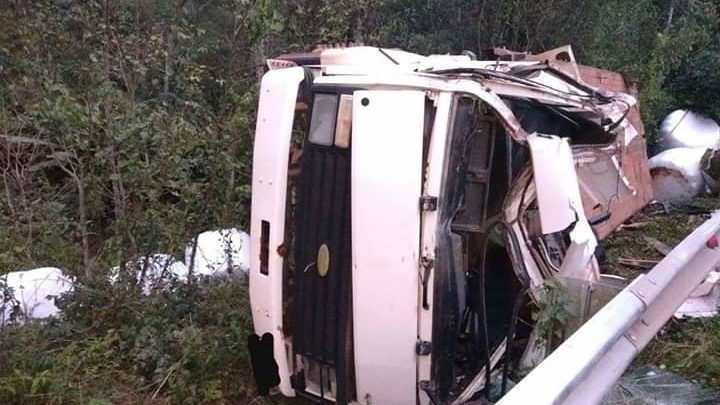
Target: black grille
x: 322, y: 313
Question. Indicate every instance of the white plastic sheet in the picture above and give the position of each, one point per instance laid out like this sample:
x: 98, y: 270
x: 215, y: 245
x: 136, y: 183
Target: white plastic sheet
x: 153, y: 271
x: 687, y: 129
x: 676, y: 174
x: 31, y: 294
x: 220, y: 252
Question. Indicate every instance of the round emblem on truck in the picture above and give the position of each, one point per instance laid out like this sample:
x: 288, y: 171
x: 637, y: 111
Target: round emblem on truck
x: 323, y: 260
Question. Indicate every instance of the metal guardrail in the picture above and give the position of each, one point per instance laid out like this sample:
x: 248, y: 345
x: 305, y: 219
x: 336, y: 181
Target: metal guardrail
x: 584, y: 368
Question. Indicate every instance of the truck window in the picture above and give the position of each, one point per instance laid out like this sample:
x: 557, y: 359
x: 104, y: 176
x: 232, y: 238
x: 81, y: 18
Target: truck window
x: 322, y: 124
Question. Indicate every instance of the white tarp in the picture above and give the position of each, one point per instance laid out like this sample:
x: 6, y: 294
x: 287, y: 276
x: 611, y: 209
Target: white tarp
x: 676, y: 174
x: 687, y: 129
x: 153, y: 271
x: 220, y: 252
x: 32, y: 293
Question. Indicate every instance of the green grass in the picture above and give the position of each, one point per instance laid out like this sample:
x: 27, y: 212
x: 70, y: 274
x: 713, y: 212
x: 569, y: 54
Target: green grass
x: 185, y: 345
x: 689, y: 348
x: 667, y: 228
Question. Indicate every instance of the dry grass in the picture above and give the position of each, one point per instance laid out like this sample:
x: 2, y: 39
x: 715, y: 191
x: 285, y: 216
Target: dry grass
x: 669, y: 228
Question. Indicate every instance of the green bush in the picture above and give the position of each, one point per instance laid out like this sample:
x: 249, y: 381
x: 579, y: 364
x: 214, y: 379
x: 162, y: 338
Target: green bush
x: 131, y: 125
x: 185, y: 345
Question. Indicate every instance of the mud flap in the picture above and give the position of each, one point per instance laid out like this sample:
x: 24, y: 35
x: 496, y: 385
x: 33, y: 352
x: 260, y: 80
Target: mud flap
x: 265, y: 368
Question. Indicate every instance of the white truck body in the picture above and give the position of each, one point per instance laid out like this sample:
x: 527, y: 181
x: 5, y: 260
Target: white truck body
x: 404, y: 206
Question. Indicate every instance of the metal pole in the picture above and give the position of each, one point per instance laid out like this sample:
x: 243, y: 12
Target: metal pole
x: 587, y: 364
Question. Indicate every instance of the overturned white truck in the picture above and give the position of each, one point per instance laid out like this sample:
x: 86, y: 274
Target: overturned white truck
x: 407, y: 209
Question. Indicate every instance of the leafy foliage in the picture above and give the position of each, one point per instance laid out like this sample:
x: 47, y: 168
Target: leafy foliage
x: 689, y: 348
x: 126, y: 128
x: 117, y: 345
x: 554, y: 311
x: 128, y: 115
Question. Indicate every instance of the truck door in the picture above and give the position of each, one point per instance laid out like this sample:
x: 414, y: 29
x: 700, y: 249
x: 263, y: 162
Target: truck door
x: 387, y: 154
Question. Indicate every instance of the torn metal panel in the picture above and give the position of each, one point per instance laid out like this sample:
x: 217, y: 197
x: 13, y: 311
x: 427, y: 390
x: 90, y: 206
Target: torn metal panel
x: 560, y: 205
x: 634, y: 163
x: 556, y: 183
x: 602, y: 180
x: 518, y: 199
x: 579, y: 261
x: 629, y: 150
x: 700, y: 307
x: 559, y: 211
x: 704, y: 300
x: 617, y: 83
x: 563, y: 56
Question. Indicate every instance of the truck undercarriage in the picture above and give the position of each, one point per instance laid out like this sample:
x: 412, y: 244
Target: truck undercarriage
x: 407, y: 211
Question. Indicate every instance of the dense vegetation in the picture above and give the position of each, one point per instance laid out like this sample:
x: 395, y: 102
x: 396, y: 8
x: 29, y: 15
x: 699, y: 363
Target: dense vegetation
x: 126, y: 128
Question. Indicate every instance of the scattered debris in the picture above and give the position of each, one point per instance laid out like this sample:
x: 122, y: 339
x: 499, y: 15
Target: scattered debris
x: 687, y: 129
x: 689, y: 209
x: 633, y: 225
x: 662, y: 248
x: 663, y: 226
x: 676, y: 175
x: 650, y: 385
x: 637, y: 263
x: 31, y: 294
x: 704, y: 301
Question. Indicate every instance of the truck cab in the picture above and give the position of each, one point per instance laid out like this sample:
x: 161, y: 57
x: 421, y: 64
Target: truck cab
x: 407, y: 211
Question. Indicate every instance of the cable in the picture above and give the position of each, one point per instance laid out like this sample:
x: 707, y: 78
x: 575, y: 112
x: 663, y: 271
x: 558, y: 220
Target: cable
x: 382, y: 51
x: 519, y: 300
x: 617, y: 123
x: 521, y: 80
x: 483, y: 316
x: 619, y: 163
